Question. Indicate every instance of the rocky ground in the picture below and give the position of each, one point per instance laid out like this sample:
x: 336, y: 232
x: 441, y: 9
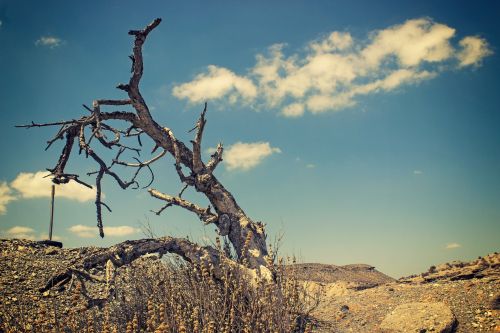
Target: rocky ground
x: 25, y: 267
x: 454, y: 297
x: 470, y: 291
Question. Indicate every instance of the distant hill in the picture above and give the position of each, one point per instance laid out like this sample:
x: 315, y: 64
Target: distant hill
x: 358, y: 276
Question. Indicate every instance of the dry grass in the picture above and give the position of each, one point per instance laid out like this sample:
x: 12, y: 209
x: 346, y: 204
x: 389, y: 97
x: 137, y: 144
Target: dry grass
x: 160, y: 296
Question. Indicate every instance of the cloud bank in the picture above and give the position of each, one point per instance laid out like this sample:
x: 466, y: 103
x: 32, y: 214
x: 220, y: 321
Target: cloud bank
x: 245, y: 156
x: 85, y: 231
x: 6, y: 196
x: 334, y: 71
x: 22, y: 232
x: 31, y: 185
x: 36, y: 185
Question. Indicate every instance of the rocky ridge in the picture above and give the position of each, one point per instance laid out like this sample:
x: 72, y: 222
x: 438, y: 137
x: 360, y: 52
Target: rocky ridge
x: 486, y: 266
x: 356, y: 276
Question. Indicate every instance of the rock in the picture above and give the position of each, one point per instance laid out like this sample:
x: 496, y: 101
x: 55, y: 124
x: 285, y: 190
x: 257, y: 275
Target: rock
x: 51, y: 243
x: 50, y: 251
x: 419, y: 318
x: 495, y: 302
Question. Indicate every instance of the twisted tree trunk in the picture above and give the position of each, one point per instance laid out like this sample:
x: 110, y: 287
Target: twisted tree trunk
x: 247, y: 237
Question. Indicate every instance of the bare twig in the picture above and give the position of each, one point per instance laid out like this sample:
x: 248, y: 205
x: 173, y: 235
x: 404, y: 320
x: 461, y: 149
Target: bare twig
x: 141, y: 164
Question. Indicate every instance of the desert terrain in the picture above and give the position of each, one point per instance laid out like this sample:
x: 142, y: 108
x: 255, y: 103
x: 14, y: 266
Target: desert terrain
x: 457, y: 297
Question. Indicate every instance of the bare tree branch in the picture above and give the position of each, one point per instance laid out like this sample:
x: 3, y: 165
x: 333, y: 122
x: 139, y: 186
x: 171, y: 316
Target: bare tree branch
x: 215, y: 158
x: 113, y: 102
x: 58, y: 170
x: 203, y: 213
x: 200, y: 125
x: 141, y: 164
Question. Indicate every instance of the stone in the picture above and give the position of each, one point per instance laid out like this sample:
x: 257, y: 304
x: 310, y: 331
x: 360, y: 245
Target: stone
x: 494, y: 302
x: 50, y: 251
x: 419, y: 318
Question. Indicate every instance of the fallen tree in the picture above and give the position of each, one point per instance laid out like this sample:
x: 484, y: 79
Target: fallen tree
x: 247, y: 237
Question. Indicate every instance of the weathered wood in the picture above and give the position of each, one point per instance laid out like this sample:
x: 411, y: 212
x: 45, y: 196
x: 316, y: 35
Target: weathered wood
x: 247, y: 237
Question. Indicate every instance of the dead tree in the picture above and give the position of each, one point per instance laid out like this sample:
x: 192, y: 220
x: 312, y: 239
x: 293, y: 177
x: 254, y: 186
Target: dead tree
x: 248, y: 238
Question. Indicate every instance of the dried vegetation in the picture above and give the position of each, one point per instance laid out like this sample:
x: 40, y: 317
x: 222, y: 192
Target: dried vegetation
x: 170, y: 295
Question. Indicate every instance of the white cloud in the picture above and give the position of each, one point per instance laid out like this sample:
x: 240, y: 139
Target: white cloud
x: 6, y: 196
x: 418, y: 172
x: 335, y: 41
x: 85, y: 231
x: 336, y: 70
x: 293, y: 110
x: 21, y: 232
x: 244, y: 156
x: 474, y: 49
x: 323, y: 103
x: 36, y: 185
x: 215, y: 84
x: 49, y: 41
x: 452, y: 246
x: 392, y: 81
x: 310, y: 166
x: 411, y: 43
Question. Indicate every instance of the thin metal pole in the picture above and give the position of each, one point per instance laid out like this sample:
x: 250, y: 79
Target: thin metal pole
x: 52, y: 211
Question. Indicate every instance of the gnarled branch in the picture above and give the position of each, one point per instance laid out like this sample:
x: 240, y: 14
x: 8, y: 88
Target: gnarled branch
x: 125, y: 253
x: 203, y: 213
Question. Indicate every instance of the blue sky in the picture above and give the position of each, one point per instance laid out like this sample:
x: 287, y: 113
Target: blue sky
x: 365, y: 132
